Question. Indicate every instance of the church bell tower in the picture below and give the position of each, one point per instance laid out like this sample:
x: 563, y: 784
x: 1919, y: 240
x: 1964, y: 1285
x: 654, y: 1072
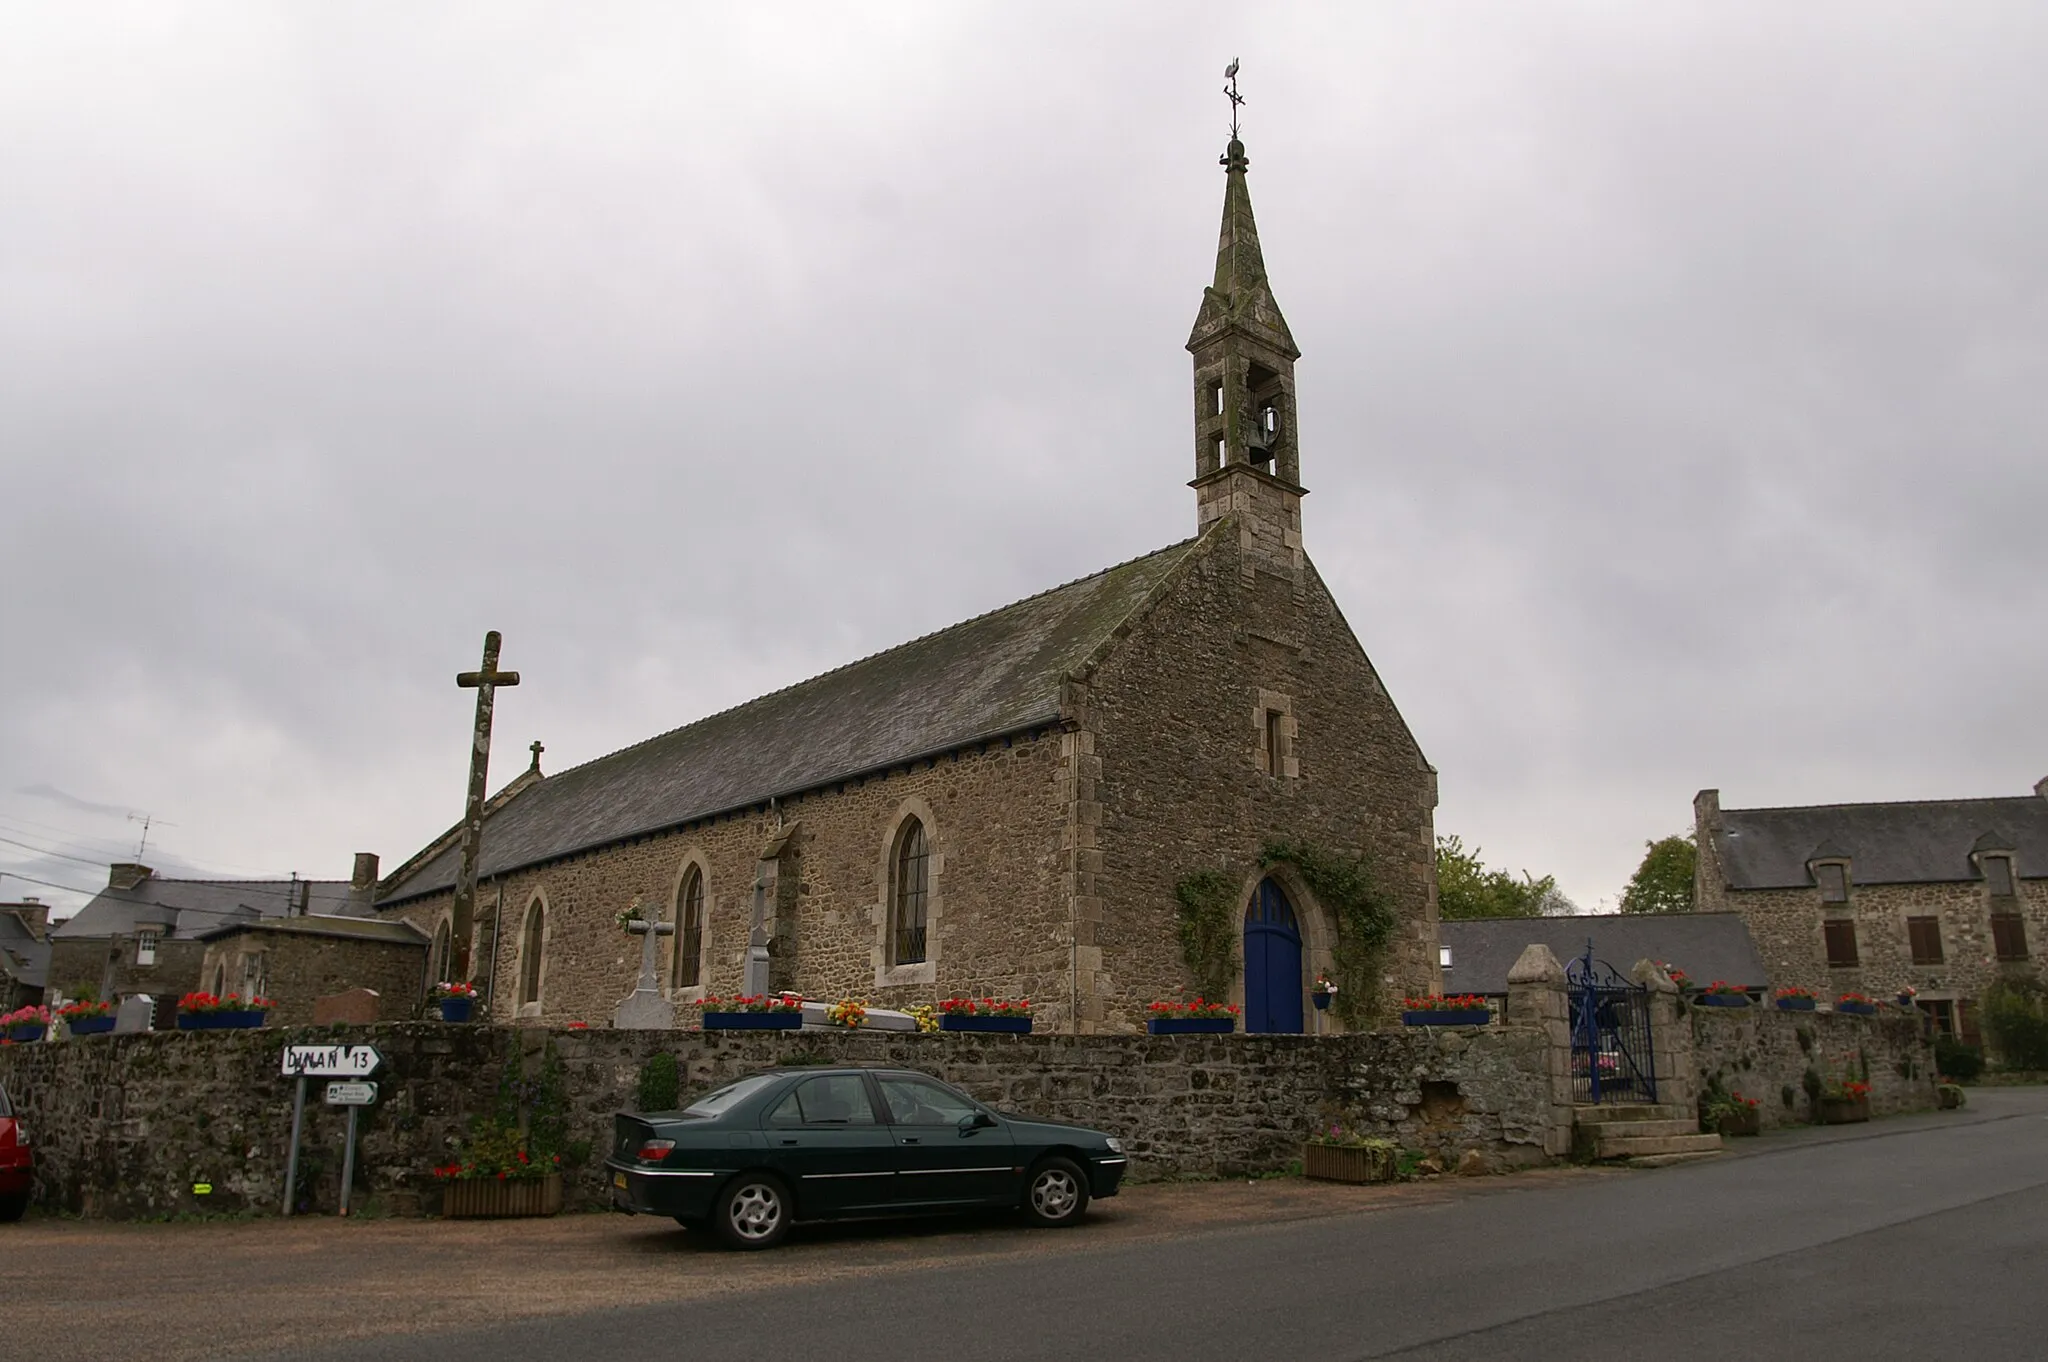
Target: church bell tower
x: 1247, y: 458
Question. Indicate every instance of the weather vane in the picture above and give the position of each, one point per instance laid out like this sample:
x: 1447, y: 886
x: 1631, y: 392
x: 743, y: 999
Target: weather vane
x: 1230, y: 93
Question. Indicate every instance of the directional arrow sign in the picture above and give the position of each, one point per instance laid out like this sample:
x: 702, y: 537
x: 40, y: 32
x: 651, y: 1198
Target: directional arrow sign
x: 351, y: 1094
x: 331, y: 1061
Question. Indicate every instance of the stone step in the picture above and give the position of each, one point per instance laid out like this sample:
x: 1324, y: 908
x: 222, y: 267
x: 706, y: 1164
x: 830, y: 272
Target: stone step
x: 1630, y: 1111
x: 1640, y: 1146
x: 1610, y: 1130
x: 1666, y: 1160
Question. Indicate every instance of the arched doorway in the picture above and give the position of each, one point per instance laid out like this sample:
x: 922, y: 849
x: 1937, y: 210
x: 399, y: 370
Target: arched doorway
x: 1272, y: 963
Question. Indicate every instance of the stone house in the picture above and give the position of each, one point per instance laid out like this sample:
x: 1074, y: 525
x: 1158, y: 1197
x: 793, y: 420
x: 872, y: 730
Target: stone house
x: 24, y: 953
x: 1007, y: 806
x: 296, y: 961
x: 1943, y: 896
x: 143, y: 933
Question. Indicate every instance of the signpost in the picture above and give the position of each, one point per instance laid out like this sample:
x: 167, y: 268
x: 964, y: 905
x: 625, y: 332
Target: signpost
x: 329, y: 1061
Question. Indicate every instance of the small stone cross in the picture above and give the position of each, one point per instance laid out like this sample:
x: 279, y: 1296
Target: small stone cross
x: 646, y: 1009
x: 649, y: 933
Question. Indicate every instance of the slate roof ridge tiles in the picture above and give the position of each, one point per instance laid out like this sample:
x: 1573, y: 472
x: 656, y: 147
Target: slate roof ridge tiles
x: 1874, y: 804
x: 971, y: 682
x: 831, y: 672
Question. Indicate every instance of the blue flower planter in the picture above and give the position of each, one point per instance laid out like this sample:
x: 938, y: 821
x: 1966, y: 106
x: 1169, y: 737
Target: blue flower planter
x: 1191, y: 1026
x: 1013, y: 1026
x: 219, y: 1021
x: 1795, y: 1004
x: 1321, y: 1000
x: 23, y: 1035
x: 1464, y: 1016
x: 1857, y: 1009
x: 753, y: 1021
x: 1721, y: 1000
x: 457, y: 1009
x: 90, y: 1026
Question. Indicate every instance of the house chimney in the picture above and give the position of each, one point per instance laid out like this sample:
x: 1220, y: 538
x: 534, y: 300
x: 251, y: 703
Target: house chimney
x: 2041, y: 787
x: 362, y: 883
x: 127, y: 874
x: 34, y: 915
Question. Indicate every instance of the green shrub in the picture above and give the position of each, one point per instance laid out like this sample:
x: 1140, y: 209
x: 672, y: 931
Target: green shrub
x: 2016, y: 1023
x: 659, y: 1079
x: 1953, y: 1059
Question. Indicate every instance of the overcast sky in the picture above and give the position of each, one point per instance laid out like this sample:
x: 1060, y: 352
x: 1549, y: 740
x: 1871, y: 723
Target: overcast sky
x: 1673, y: 394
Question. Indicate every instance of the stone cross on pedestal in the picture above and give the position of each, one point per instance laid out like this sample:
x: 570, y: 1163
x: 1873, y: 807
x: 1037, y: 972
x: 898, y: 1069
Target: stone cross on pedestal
x: 646, y: 1009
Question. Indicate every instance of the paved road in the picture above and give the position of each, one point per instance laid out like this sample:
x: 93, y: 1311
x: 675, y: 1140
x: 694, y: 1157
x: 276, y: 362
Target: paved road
x: 1925, y: 1236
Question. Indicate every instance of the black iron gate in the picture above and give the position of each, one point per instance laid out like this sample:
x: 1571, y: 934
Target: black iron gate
x: 1612, y: 1058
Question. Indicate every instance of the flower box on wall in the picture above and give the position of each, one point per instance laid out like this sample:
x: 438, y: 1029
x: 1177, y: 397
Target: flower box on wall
x: 1447, y: 1016
x: 457, y: 1009
x: 1744, y: 1121
x: 500, y: 1198
x: 1720, y: 1000
x: 219, y: 1021
x: 1842, y: 1111
x: 1191, y: 1026
x: 1347, y: 1163
x: 1015, y: 1026
x: 90, y: 1026
x: 754, y: 1021
x: 1857, y: 1009
x: 1795, y: 1004
x: 25, y: 1034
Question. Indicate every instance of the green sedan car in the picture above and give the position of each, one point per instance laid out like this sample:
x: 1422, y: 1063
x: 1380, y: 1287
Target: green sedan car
x: 773, y: 1148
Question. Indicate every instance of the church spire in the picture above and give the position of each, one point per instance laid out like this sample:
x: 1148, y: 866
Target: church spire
x: 1247, y: 460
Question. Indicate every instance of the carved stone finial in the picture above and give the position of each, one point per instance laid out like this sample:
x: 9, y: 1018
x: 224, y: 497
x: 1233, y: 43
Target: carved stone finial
x: 536, y: 749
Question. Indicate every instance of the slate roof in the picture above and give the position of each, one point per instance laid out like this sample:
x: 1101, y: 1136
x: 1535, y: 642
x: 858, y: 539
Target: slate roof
x: 1924, y: 842
x: 1707, y: 946
x: 990, y: 676
x: 196, y: 906
x: 23, y: 958
x: 325, y: 924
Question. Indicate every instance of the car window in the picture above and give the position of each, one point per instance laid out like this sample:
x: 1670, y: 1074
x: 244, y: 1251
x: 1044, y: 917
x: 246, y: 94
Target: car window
x: 720, y: 1100
x: 5, y: 1110
x: 827, y: 1100
x: 922, y: 1102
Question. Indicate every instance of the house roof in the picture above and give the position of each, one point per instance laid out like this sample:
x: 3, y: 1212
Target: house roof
x: 23, y: 957
x: 1923, y: 842
x: 325, y: 925
x: 195, y: 906
x: 1707, y: 946
x: 990, y: 676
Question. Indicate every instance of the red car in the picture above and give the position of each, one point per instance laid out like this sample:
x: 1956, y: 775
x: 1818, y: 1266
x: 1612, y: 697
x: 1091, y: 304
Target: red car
x: 17, y: 1163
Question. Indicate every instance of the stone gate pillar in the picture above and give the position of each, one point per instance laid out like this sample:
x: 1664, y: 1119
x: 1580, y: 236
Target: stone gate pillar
x: 1678, y: 1083
x: 1536, y: 997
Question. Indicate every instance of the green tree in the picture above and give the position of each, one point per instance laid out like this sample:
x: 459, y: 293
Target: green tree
x: 1466, y: 888
x: 1663, y: 882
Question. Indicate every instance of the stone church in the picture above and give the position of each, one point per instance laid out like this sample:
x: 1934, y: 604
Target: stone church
x: 1009, y: 806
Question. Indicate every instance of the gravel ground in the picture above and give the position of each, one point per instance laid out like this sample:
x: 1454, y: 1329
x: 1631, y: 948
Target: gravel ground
x: 218, y: 1289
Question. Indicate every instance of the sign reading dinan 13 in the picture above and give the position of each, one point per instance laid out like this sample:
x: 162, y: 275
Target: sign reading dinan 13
x: 331, y: 1061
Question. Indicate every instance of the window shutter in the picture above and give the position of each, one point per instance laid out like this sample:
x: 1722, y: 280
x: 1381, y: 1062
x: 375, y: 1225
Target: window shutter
x: 1924, y: 935
x: 1841, y: 941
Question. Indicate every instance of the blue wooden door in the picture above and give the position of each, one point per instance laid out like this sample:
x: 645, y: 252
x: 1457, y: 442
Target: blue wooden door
x: 1272, y: 963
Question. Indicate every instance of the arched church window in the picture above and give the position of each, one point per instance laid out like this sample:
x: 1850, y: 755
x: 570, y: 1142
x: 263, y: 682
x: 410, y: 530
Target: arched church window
x: 530, y: 947
x: 690, y: 929
x: 907, y: 895
x: 437, y: 962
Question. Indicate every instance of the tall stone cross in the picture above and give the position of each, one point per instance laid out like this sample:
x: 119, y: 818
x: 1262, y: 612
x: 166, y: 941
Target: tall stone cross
x: 646, y: 1009
x: 485, y: 683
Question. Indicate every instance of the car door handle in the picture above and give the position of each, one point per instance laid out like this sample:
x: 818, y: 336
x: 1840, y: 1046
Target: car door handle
x: 788, y: 1140
x: 910, y: 1139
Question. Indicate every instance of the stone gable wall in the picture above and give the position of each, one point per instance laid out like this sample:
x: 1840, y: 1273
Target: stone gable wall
x: 998, y: 923
x: 126, y: 1125
x: 300, y: 970
x: 1765, y: 1053
x: 1174, y: 783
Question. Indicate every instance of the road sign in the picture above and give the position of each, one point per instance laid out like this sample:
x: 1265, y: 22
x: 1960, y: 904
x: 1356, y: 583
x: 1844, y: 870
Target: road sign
x: 351, y: 1094
x: 331, y: 1061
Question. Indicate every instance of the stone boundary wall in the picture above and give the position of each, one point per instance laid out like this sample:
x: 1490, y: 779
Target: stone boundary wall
x: 125, y: 1126
x: 1762, y: 1052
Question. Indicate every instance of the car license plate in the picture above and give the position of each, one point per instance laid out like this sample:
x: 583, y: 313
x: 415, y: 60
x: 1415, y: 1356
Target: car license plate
x: 619, y: 1181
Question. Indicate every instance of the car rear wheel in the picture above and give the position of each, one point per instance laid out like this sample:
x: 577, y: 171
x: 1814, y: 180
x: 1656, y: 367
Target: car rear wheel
x: 11, y: 1207
x: 753, y: 1212
x: 1056, y: 1193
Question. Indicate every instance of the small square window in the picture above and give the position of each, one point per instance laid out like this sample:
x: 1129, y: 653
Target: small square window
x: 1924, y: 935
x: 1998, y: 876
x: 1841, y: 939
x: 1834, y: 882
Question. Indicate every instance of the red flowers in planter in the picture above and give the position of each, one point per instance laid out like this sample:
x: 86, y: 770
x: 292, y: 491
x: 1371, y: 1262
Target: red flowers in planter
x: 83, y: 1010
x: 1436, y: 1002
x: 213, y: 1002
x: 1796, y: 992
x: 1860, y: 999
x: 986, y: 1007
x: 1721, y: 988
x: 1200, y: 1007
x: 445, y: 989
